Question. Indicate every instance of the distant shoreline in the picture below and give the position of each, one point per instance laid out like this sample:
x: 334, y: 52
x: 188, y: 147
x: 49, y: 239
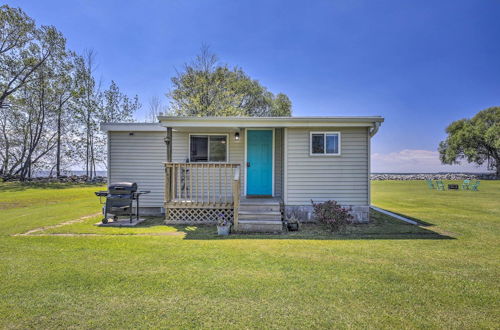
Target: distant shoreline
x: 432, y: 176
x: 373, y: 176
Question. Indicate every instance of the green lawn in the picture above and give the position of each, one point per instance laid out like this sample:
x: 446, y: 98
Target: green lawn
x: 387, y: 274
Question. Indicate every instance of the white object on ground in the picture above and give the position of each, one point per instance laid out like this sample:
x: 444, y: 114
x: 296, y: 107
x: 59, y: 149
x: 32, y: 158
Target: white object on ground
x: 394, y: 215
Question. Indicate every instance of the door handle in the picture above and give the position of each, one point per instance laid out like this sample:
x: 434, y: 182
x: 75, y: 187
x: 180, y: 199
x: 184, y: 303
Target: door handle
x: 248, y: 164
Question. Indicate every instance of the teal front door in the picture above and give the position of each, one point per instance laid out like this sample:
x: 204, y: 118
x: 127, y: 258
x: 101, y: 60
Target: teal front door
x: 260, y: 162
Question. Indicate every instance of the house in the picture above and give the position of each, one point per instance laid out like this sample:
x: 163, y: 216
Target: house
x: 253, y: 170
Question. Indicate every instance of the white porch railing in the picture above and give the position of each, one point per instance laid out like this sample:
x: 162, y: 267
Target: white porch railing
x: 202, y: 184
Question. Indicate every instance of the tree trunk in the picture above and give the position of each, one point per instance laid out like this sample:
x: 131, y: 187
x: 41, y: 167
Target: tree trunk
x: 92, y: 158
x: 498, y: 170
x: 58, y: 152
x: 87, y: 158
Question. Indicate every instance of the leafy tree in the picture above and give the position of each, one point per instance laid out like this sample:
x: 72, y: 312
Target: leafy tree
x: 92, y: 107
x: 207, y: 88
x: 16, y: 28
x: 50, y: 103
x: 29, y: 57
x: 118, y: 107
x: 282, y: 106
x: 86, y: 106
x: 476, y: 140
x: 23, y: 49
x: 64, y: 91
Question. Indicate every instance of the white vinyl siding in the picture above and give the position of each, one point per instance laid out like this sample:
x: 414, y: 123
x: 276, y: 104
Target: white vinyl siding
x: 139, y: 158
x: 343, y: 178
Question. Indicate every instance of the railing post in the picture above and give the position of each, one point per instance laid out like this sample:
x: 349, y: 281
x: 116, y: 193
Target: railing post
x: 167, y: 183
x: 173, y: 182
x: 236, y: 196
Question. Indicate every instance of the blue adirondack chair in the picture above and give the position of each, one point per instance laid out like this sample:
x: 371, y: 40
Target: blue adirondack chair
x: 474, y: 186
x: 466, y: 185
x: 430, y: 184
x: 440, y: 185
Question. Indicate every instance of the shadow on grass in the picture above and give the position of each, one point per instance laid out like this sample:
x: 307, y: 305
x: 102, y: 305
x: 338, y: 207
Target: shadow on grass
x: 381, y: 226
x: 21, y: 186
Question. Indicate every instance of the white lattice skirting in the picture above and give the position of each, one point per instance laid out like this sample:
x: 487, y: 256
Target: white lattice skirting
x: 196, y: 215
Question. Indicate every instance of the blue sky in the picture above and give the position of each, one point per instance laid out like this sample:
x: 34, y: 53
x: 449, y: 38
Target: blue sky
x: 420, y: 64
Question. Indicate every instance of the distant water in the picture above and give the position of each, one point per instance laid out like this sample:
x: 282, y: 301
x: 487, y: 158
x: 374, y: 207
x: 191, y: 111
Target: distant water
x: 105, y: 173
x: 68, y: 173
x: 413, y: 173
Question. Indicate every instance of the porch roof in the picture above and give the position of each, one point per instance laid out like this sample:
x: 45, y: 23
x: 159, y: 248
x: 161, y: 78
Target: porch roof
x: 243, y: 122
x: 132, y: 127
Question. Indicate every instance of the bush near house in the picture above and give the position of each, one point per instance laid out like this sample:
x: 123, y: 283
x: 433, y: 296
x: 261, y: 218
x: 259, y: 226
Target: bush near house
x: 332, y: 215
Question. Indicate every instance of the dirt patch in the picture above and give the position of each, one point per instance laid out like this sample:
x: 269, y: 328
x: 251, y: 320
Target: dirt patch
x: 36, y: 230
x: 40, y: 231
x: 121, y: 235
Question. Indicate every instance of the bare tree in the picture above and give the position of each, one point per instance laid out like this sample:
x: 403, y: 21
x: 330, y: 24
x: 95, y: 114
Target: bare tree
x: 86, y: 107
x: 64, y: 89
x: 155, y: 108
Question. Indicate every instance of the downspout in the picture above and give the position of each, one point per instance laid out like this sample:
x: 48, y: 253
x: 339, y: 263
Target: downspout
x: 168, y: 143
x: 374, y: 129
x: 168, y: 171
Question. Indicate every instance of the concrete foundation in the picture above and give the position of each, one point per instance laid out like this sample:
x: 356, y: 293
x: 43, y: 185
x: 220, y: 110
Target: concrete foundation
x: 150, y: 211
x: 304, y: 213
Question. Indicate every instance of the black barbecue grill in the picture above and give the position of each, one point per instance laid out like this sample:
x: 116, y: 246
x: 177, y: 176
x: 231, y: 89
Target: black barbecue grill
x: 119, y: 199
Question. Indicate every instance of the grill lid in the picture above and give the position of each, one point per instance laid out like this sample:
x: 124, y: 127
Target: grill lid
x: 122, y: 187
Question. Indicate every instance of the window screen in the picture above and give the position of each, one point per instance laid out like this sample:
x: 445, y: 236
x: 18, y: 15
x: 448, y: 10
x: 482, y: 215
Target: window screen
x: 318, y: 144
x: 332, y: 143
x: 208, y: 148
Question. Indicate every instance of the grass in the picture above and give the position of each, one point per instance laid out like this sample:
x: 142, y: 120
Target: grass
x: 28, y: 206
x: 386, y: 274
x: 381, y: 226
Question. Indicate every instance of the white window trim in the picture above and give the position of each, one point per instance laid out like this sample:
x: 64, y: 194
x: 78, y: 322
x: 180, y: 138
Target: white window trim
x: 208, y: 151
x: 325, y: 133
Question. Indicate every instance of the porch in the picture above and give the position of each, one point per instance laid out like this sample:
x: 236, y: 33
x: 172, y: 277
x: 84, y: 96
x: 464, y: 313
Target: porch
x: 211, y: 169
x: 204, y: 192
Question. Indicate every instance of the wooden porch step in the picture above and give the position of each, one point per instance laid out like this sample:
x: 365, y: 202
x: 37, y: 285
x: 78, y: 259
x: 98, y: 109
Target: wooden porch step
x: 259, y: 215
x: 260, y: 204
x: 260, y: 226
x: 258, y: 207
x: 260, y: 201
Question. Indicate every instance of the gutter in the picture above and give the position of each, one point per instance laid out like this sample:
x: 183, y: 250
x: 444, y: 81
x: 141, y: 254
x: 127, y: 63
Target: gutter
x: 374, y: 129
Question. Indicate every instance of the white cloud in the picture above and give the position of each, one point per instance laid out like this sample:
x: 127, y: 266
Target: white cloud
x: 411, y: 161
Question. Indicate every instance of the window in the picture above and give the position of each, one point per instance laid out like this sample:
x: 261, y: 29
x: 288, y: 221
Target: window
x: 208, y: 148
x: 325, y: 143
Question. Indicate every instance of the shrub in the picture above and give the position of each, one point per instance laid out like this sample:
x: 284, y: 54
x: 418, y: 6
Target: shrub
x: 332, y: 214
